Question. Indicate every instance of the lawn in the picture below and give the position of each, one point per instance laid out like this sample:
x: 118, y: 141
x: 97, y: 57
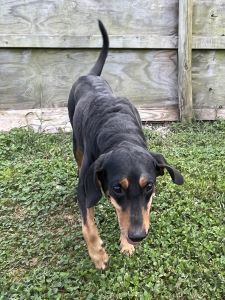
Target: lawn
x: 42, y: 252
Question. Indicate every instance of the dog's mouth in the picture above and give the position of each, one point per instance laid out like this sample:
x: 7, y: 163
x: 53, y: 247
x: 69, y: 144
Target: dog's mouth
x: 132, y: 243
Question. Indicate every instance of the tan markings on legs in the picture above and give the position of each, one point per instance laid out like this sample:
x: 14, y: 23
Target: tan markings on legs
x: 79, y: 157
x: 145, y: 215
x: 94, y: 243
x: 126, y: 247
x: 124, y: 223
x: 124, y: 183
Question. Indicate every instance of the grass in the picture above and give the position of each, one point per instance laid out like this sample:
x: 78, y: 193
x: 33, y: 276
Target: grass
x: 42, y: 252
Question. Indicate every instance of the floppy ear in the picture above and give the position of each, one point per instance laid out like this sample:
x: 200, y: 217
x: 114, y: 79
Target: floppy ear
x: 92, y: 186
x: 162, y: 164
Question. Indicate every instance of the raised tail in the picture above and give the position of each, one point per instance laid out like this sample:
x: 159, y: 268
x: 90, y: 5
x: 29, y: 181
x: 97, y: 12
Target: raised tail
x: 97, y: 69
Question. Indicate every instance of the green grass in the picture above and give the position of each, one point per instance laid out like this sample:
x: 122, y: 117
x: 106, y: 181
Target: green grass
x: 42, y: 252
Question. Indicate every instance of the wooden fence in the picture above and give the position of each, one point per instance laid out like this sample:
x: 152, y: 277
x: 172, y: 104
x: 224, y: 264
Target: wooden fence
x: 166, y: 56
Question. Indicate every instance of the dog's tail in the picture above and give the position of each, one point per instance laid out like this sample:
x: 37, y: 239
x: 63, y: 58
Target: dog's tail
x: 97, y: 69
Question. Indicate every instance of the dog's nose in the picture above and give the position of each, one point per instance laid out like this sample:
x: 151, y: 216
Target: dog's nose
x: 136, y: 236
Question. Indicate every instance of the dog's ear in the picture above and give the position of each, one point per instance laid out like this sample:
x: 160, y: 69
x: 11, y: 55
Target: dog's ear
x: 162, y: 164
x: 92, y: 184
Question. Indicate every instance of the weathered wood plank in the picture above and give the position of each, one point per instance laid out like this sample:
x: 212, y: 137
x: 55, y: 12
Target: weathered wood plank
x: 208, y: 42
x: 66, y: 17
x: 185, y: 60
x: 43, y: 78
x: 208, y: 69
x: 41, y: 120
x: 94, y: 41
x: 209, y: 18
x: 157, y: 114
x: 53, y: 119
x: 20, y: 84
x: 138, y: 24
x: 116, y: 41
x: 209, y: 114
x: 72, y: 24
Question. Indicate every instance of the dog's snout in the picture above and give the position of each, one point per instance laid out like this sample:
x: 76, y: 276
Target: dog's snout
x: 136, y: 236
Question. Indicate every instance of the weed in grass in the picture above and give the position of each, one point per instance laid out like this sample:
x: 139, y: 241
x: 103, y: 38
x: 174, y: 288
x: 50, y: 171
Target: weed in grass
x: 42, y: 252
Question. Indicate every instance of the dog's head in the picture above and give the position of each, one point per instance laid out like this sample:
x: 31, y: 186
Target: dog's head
x: 128, y: 178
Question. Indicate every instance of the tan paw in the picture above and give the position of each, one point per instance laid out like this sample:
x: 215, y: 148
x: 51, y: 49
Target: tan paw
x: 100, y: 258
x: 127, y: 248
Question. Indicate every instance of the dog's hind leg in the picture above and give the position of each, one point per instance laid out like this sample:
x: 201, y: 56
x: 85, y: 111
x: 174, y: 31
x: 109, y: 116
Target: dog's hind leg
x: 94, y: 243
x: 78, y: 154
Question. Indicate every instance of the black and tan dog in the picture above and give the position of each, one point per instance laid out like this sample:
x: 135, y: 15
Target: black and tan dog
x: 112, y: 157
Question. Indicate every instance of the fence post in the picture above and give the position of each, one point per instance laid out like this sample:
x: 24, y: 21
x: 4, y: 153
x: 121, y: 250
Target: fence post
x: 185, y: 60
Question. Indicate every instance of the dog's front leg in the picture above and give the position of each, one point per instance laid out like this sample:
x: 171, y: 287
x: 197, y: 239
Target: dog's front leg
x: 125, y: 247
x: 94, y: 243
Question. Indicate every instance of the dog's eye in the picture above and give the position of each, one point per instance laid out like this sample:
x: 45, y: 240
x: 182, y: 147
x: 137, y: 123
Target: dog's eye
x: 148, y: 187
x: 117, y: 188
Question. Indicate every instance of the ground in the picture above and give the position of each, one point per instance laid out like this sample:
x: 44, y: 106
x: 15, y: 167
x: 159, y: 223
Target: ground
x: 42, y: 252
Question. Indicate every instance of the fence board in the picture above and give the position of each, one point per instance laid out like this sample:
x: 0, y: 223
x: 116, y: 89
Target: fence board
x: 209, y: 18
x: 95, y: 41
x: 208, y: 79
x: 185, y: 60
x: 116, y: 41
x: 66, y: 17
x: 20, y: 84
x: 208, y: 42
x: 51, y: 119
x: 43, y: 78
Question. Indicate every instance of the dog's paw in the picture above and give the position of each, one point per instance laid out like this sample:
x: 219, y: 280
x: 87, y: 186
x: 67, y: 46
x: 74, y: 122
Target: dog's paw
x: 100, y: 258
x: 127, y: 248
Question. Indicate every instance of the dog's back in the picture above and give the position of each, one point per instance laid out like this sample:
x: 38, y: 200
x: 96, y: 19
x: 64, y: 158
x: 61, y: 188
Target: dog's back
x: 92, y: 82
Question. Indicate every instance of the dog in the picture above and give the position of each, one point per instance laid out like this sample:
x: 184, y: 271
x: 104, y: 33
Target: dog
x: 113, y: 159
